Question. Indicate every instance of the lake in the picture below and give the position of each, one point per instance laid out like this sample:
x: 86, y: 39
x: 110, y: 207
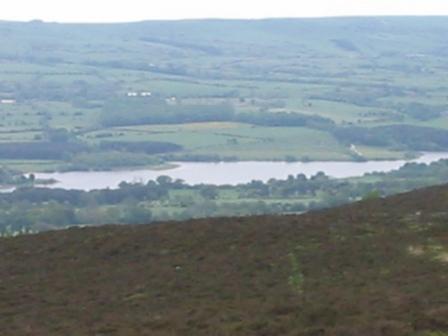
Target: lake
x: 228, y: 172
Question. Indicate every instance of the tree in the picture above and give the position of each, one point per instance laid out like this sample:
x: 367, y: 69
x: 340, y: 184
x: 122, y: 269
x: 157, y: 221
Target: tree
x: 164, y: 180
x: 135, y: 214
x: 209, y: 192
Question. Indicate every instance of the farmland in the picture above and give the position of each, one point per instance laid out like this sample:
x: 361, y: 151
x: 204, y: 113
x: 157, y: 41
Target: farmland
x: 237, y: 141
x: 209, y: 92
x: 300, y: 255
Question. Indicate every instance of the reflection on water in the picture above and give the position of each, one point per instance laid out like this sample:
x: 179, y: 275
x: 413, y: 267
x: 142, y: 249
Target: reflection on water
x: 228, y: 172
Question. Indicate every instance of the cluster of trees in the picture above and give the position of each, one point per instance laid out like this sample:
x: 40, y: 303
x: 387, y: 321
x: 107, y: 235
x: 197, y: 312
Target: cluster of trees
x: 35, y: 209
x: 80, y: 156
x: 108, y: 155
x: 108, y: 160
x: 153, y: 190
x: 209, y: 208
x: 10, y: 177
x: 371, y: 97
x: 285, y: 119
x: 154, y: 110
x: 148, y: 147
x: 137, y: 111
x: 188, y: 157
x: 60, y: 144
x: 7, y: 175
x: 32, y: 209
x: 29, y: 217
x: 421, y: 112
x: 157, y: 111
x: 44, y: 150
x: 55, y: 144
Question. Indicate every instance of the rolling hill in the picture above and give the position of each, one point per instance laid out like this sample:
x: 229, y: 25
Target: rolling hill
x: 338, y: 75
x: 377, y: 267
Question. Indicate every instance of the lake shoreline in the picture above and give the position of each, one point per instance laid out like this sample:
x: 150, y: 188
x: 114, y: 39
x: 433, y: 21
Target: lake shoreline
x: 169, y: 165
x: 228, y: 173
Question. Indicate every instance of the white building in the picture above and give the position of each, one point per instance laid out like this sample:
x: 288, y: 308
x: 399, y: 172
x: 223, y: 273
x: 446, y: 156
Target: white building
x: 7, y: 101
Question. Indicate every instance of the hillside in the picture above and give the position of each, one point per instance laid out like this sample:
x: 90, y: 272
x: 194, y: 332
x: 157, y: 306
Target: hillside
x: 373, y: 268
x: 283, y: 89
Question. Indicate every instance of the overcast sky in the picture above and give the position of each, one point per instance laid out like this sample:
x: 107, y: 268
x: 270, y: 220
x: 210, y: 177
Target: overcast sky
x: 136, y: 10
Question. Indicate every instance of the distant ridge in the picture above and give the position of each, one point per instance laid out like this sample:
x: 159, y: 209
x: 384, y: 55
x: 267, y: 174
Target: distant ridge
x: 205, y: 18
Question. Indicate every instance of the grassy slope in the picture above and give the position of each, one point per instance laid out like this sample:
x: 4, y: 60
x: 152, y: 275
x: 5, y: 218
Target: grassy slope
x: 245, y: 141
x: 373, y: 268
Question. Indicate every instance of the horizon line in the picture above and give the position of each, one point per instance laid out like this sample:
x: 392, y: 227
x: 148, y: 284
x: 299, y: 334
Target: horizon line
x: 349, y: 16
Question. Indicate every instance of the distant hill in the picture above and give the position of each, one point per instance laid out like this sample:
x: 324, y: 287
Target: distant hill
x: 377, y: 267
x: 368, y: 37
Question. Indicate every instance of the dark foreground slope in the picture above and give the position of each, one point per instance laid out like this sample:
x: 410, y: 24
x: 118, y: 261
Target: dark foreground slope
x: 375, y: 268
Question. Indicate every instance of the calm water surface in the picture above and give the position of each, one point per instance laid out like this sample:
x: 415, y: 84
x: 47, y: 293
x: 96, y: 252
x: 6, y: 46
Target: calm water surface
x: 228, y: 172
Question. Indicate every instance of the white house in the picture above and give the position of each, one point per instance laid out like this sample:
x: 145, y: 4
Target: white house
x: 7, y: 101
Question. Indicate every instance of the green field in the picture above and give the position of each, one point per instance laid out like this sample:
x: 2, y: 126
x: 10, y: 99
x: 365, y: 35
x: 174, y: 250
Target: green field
x: 354, y: 72
x: 243, y: 141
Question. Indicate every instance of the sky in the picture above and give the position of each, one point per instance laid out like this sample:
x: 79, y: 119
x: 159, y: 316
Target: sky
x: 138, y: 10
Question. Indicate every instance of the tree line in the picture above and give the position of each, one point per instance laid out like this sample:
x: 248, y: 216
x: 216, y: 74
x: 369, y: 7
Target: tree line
x: 34, y: 209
